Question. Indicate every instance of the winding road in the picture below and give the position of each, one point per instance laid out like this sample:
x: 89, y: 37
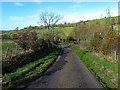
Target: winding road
x: 68, y: 71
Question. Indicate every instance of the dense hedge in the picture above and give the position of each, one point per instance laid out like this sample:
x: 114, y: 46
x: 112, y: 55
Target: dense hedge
x: 21, y: 60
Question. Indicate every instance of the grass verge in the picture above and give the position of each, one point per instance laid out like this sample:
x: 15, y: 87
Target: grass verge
x: 31, y: 70
x: 104, y: 70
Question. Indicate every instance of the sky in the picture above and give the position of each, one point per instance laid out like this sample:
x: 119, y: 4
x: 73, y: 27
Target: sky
x: 24, y: 14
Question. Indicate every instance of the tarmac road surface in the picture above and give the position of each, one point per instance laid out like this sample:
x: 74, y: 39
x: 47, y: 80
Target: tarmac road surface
x: 68, y: 71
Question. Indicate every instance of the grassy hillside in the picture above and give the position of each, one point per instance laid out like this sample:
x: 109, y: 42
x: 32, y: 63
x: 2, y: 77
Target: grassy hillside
x: 110, y: 20
x: 66, y: 31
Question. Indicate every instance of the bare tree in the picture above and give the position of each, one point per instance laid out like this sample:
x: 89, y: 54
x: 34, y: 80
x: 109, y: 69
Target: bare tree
x: 49, y: 19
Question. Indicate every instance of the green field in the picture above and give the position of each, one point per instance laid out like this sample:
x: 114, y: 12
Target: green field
x: 104, y: 70
x: 12, y: 48
x: 5, y: 45
x: 66, y: 31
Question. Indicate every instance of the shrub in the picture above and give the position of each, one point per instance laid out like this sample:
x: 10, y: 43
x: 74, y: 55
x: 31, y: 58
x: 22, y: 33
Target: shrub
x: 27, y: 40
x: 110, y: 42
x: 5, y: 36
x: 96, y: 42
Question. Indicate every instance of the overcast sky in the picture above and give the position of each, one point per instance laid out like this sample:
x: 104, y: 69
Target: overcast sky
x: 23, y: 14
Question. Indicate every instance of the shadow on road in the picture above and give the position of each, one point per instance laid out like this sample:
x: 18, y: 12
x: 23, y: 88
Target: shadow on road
x: 59, y: 64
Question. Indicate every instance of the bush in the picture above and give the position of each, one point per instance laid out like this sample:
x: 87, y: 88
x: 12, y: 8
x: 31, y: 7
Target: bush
x: 27, y: 40
x: 110, y: 42
x: 51, y: 37
x: 96, y: 42
x: 5, y: 36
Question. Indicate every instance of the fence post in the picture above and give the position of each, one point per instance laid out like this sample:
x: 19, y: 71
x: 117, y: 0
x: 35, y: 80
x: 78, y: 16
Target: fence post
x: 11, y: 53
x: 16, y: 51
x: 6, y: 52
x: 115, y: 55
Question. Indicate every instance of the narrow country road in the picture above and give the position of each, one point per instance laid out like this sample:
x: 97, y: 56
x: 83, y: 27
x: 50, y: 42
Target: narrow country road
x: 67, y: 72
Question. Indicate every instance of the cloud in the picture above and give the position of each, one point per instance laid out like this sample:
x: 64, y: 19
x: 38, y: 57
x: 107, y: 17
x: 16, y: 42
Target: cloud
x: 18, y: 4
x: 60, y: 1
x: 78, y: 4
x: 114, y: 13
x: 39, y: 10
x: 33, y: 16
x: 75, y: 6
x: 17, y: 18
x: 50, y: 8
x: 79, y: 1
x: 71, y: 18
x: 37, y: 1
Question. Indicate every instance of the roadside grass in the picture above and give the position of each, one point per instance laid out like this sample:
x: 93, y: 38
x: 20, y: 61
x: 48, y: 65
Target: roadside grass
x: 104, y: 70
x: 30, y: 71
